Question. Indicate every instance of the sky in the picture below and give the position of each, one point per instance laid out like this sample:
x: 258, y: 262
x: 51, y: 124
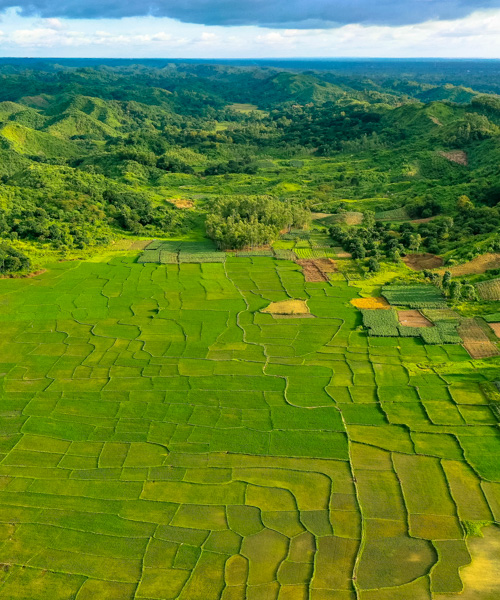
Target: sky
x: 250, y: 28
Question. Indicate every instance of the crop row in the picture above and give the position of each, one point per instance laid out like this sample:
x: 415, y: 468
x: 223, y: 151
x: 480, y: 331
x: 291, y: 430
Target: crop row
x: 489, y: 290
x: 414, y: 296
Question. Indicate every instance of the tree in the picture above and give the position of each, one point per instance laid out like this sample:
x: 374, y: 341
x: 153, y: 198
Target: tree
x: 357, y: 248
x: 368, y: 219
x: 373, y: 265
x: 464, y: 204
x: 445, y: 282
x: 394, y: 255
x: 455, y: 290
x: 415, y: 242
x: 469, y: 292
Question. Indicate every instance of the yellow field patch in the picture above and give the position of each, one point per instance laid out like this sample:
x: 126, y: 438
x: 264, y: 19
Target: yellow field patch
x: 481, y: 578
x: 377, y: 302
x: 287, y: 307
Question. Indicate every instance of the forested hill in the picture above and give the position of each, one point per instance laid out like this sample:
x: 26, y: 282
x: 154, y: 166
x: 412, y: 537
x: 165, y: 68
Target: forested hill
x: 90, y: 152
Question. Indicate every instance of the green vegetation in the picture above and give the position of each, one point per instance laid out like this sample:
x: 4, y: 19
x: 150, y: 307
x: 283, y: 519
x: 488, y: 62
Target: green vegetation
x: 191, y: 406
x: 160, y: 432
x: 414, y: 296
x: 90, y: 153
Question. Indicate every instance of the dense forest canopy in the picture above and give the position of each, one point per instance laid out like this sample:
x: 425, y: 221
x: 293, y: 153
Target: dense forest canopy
x: 91, y: 151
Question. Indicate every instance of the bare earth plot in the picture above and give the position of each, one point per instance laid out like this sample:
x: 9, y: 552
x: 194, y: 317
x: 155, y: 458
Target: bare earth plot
x: 312, y: 270
x: 476, y: 342
x: 419, y: 262
x: 496, y: 328
x: 413, y: 318
x: 164, y: 439
x: 457, y: 156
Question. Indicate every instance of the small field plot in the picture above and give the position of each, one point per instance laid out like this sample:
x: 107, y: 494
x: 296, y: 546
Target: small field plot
x: 419, y: 262
x: 496, y: 328
x: 171, y: 252
x: 371, y: 303
x: 413, y: 318
x: 475, y: 340
x: 414, y: 296
x: 287, y: 307
x: 489, y: 290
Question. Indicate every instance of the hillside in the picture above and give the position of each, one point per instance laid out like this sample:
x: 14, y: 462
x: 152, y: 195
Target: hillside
x: 161, y: 137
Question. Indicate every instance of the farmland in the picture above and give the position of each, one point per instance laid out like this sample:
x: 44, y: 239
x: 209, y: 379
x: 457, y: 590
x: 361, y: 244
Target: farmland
x: 163, y: 438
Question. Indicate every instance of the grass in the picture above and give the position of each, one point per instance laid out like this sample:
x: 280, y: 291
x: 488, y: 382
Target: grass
x: 163, y: 437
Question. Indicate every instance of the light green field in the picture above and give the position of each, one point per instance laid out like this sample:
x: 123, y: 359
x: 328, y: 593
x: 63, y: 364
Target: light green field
x: 161, y: 438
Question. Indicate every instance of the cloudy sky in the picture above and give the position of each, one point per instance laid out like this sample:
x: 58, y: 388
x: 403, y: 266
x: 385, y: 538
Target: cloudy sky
x: 250, y: 28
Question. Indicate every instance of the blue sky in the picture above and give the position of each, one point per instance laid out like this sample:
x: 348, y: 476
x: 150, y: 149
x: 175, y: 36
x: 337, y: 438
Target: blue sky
x: 255, y: 28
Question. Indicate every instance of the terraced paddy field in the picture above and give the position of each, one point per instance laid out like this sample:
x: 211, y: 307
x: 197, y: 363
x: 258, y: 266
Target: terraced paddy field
x: 162, y: 438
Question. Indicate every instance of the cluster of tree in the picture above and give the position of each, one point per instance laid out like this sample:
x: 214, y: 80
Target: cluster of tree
x: 133, y: 211
x: 239, y: 222
x: 455, y: 289
x: 245, y: 165
x: 12, y: 260
x: 375, y: 240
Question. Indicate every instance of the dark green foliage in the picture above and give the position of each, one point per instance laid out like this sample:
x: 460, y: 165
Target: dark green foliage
x: 236, y: 223
x: 102, y: 149
x: 12, y: 260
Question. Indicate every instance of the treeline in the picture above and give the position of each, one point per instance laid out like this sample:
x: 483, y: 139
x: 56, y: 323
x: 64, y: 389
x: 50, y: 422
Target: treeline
x: 242, y: 221
x: 390, y: 241
x: 68, y: 220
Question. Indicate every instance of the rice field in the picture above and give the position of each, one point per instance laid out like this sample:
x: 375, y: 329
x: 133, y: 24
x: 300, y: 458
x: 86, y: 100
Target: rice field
x: 163, y: 438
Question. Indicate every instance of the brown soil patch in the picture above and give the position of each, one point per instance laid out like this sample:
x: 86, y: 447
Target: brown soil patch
x: 424, y: 260
x: 287, y: 307
x: 426, y: 220
x: 326, y: 265
x: 35, y: 101
x: 477, y: 265
x: 496, y: 328
x: 378, y: 302
x: 456, y: 156
x: 27, y: 276
x: 36, y: 273
x: 181, y: 202
x: 311, y: 270
x: 476, y: 342
x: 413, y: 318
x: 341, y: 253
x: 435, y: 120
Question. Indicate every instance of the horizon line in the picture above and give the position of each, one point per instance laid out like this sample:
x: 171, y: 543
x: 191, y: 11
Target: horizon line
x: 284, y: 58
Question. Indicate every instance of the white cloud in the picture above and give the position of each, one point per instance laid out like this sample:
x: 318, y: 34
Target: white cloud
x: 475, y: 36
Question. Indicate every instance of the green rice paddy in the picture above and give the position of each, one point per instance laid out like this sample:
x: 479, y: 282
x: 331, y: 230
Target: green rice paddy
x: 161, y: 438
